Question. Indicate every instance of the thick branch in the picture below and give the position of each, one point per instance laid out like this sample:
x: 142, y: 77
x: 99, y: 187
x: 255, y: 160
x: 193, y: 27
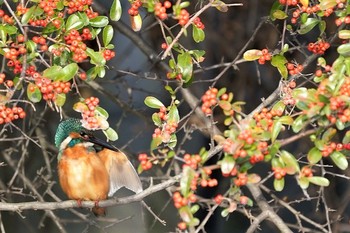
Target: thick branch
x: 87, y: 204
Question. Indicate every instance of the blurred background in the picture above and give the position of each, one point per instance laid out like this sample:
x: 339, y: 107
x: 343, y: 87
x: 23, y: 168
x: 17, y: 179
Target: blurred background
x: 131, y: 77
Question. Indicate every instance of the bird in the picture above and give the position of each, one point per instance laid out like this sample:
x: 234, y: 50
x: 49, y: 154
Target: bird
x: 89, y: 168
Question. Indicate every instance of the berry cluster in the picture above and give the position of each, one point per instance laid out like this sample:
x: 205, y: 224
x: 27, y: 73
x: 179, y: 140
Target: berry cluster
x: 134, y: 9
x: 39, y: 40
x: 241, y: 179
x: 166, y: 131
x: 6, y: 18
x: 192, y: 160
x: 330, y: 148
x: 198, y: 23
x: 287, y: 93
x: 108, y: 54
x: 9, y: 114
x: 209, y: 100
x: 279, y: 172
x: 78, y: 5
x: 306, y: 171
x: 289, y: 2
x: 294, y: 69
x: 266, y: 56
x: 49, y: 6
x: 77, y: 46
x: 319, y: 47
x: 264, y: 119
x: 89, y: 113
x: 21, y: 10
x: 180, y: 201
x: 183, y: 17
x: 50, y: 89
x: 146, y: 164
x: 160, y: 9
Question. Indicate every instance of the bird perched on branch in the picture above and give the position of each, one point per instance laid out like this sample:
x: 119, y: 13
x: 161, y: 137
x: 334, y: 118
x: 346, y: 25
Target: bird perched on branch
x: 89, y: 168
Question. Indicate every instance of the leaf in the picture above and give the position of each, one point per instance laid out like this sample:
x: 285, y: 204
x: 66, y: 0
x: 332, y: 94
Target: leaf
x: 279, y: 107
x: 197, y: 34
x: 173, y: 115
x: 303, y: 182
x: 299, y: 123
x: 346, y: 138
x: 185, y: 214
x: 340, y: 160
x: 252, y: 54
x: 111, y: 134
x: 153, y: 102
x: 33, y: 93
x: 318, y: 180
x: 305, y: 2
x: 156, y: 119
x: 278, y: 184
x: 60, y: 99
x: 99, y: 21
x: 101, y: 112
x: 116, y: 10
x: 185, y: 182
x: 329, y: 134
x: 286, y: 120
x: 96, y: 57
x: 156, y: 142
x: 69, y: 71
x: 53, y: 72
x: 278, y: 14
x: 276, y: 129
x: 74, y: 22
x: 136, y: 22
x: 308, y: 25
x: 225, y: 105
x: 327, y: 4
x: 107, y: 35
x: 344, y: 34
x: 291, y: 164
x: 28, y: 15
x: 221, y: 6
x: 314, y: 155
x: 227, y: 164
x: 184, y: 62
x: 344, y: 49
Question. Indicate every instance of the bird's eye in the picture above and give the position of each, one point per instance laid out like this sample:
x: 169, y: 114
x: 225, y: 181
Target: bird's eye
x: 84, y: 135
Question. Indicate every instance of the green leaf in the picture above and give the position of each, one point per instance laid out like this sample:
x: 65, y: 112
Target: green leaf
x: 68, y: 72
x: 116, y: 10
x: 153, y: 102
x: 303, y: 182
x: 96, y: 57
x: 278, y: 184
x: 308, y: 25
x: 156, y: 119
x: 329, y: 134
x: 28, y: 15
x: 101, y: 112
x: 346, y: 138
x: 185, y: 182
x: 99, y: 21
x: 53, y: 72
x: 156, y: 142
x: 107, y: 35
x: 318, y: 180
x: 299, y: 123
x: 344, y: 34
x: 184, y: 62
x: 221, y: 6
x: 252, y: 54
x: 344, y: 50
x: 314, y: 155
x: 111, y: 134
x: 173, y: 115
x: 74, y: 22
x: 279, y: 107
x: 227, y: 164
x: 340, y: 160
x: 33, y: 93
x: 286, y: 120
x: 197, y: 34
x: 276, y: 129
x: 291, y: 164
x: 136, y: 22
x: 327, y: 4
x: 278, y: 14
x: 60, y: 99
x: 185, y: 214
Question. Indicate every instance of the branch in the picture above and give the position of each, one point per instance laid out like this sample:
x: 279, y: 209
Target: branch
x: 87, y: 204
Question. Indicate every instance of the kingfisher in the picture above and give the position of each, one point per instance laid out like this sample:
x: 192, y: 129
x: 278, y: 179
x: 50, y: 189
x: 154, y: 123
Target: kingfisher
x: 89, y: 168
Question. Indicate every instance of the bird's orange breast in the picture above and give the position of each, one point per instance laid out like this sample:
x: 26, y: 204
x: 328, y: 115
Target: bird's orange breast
x: 82, y: 175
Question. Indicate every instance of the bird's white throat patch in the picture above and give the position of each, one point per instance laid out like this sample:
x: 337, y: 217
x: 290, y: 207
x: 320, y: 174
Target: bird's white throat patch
x: 68, y: 139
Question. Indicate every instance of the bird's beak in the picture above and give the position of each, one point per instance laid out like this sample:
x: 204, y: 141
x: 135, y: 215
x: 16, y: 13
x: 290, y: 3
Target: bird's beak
x: 100, y: 142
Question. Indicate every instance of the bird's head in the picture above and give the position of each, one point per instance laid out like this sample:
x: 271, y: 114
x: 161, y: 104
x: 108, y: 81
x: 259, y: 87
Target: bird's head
x: 71, y: 132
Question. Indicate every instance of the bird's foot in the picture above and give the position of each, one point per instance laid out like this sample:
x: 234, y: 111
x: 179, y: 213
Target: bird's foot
x: 96, y: 203
x: 79, y: 203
